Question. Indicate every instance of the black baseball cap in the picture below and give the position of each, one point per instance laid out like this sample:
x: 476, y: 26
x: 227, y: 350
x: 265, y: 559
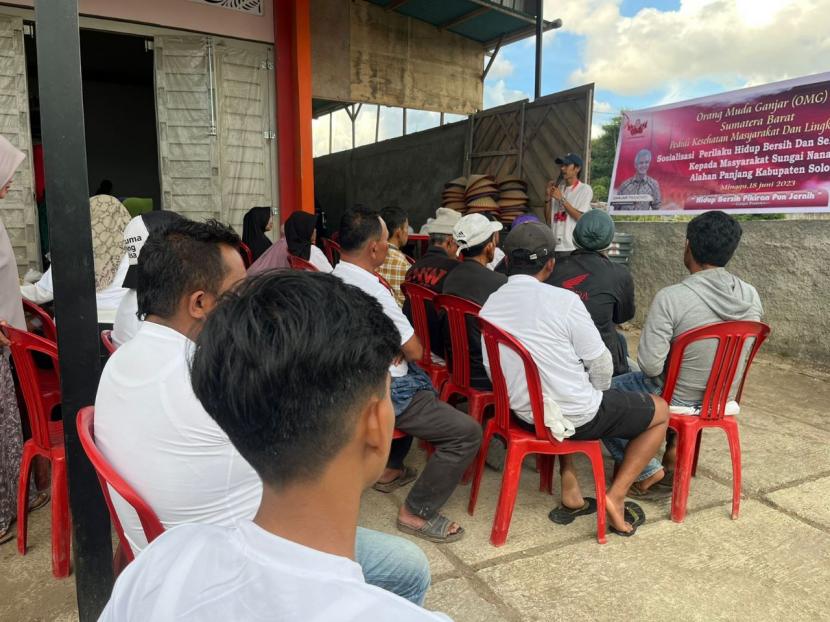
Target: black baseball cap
x: 530, y: 243
x: 570, y: 158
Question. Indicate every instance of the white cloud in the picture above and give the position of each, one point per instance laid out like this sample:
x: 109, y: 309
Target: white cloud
x: 502, y: 68
x: 603, y: 107
x: 753, y: 41
x: 596, y: 130
x: 497, y: 94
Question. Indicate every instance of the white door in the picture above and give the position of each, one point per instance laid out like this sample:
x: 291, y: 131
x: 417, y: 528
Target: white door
x: 187, y: 127
x: 246, y: 128
x: 18, y: 209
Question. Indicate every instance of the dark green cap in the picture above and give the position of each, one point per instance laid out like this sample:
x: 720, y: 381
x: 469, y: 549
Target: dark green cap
x: 594, y: 231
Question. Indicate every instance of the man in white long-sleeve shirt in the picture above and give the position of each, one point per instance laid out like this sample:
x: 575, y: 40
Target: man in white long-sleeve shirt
x: 575, y: 370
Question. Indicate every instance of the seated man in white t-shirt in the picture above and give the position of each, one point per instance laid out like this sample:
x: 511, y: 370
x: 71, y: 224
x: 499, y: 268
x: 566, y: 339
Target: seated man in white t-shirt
x: 575, y: 370
x: 302, y: 391
x: 156, y: 434
x: 455, y: 436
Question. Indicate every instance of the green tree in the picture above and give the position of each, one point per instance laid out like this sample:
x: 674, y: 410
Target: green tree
x: 603, y: 151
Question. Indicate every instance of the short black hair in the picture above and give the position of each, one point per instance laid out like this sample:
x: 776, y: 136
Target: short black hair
x: 181, y: 258
x: 394, y: 217
x: 286, y: 377
x: 478, y: 249
x: 437, y: 239
x: 713, y: 237
x: 357, y: 227
x: 530, y: 269
x: 519, y: 262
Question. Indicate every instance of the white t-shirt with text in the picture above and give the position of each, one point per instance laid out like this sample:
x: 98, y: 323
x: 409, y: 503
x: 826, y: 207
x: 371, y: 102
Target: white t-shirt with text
x: 563, y: 224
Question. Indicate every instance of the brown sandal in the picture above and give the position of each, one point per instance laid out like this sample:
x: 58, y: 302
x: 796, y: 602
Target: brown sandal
x: 408, y: 474
x: 435, y: 530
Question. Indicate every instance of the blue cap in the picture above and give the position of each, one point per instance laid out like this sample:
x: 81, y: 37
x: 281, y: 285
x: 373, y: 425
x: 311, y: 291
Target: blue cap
x: 570, y: 158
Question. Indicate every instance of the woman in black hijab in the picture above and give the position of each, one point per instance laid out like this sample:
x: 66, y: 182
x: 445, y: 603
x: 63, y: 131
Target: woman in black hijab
x: 300, y: 234
x: 299, y: 238
x: 257, y: 221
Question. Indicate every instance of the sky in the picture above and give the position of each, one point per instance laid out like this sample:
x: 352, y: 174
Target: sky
x: 638, y: 54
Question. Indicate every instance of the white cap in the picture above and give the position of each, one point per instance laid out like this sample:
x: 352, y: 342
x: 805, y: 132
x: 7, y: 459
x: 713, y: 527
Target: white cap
x: 135, y: 235
x: 444, y: 221
x: 473, y: 229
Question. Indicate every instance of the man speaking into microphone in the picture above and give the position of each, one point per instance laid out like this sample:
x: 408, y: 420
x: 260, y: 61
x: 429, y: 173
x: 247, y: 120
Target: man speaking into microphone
x: 566, y: 200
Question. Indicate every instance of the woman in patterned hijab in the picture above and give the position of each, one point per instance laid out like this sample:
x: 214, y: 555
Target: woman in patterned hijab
x: 109, y: 218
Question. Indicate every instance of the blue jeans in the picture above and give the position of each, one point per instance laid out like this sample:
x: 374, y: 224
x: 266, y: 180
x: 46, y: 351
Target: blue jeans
x: 403, y: 389
x: 393, y: 564
x: 639, y: 383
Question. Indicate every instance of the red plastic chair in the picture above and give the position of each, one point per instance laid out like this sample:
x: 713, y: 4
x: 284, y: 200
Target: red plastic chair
x: 41, y: 393
x: 298, y: 263
x: 420, y: 241
x: 332, y: 250
x: 418, y: 296
x: 107, y: 475
x: 247, y: 255
x: 731, y: 338
x: 458, y: 310
x: 521, y: 442
x: 50, y: 331
x: 106, y: 339
x: 409, y: 259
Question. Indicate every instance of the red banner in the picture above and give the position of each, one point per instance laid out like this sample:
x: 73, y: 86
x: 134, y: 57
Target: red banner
x: 758, y: 150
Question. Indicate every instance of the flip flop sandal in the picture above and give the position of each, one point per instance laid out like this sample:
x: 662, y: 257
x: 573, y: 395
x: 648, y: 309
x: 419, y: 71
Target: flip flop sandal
x: 407, y: 475
x: 41, y: 499
x: 435, y: 530
x: 634, y: 516
x: 565, y: 516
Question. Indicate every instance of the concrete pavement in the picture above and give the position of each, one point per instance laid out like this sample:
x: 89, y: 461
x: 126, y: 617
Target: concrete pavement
x: 772, y: 563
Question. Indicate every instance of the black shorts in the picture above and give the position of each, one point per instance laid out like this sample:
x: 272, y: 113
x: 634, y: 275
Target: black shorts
x: 621, y: 414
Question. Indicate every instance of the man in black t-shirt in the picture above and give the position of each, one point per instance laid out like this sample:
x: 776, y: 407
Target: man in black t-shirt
x: 431, y: 270
x: 606, y: 288
x: 477, y: 238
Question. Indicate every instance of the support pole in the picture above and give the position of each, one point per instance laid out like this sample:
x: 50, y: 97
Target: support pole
x: 64, y: 148
x: 537, y: 91
x: 292, y: 35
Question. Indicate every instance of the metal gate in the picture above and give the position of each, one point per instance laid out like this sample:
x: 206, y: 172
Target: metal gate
x: 525, y: 138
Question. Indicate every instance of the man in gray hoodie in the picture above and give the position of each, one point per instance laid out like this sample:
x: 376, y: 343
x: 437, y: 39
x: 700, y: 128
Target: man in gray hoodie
x: 709, y: 294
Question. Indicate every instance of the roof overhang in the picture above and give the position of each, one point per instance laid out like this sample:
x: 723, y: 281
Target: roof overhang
x: 486, y: 22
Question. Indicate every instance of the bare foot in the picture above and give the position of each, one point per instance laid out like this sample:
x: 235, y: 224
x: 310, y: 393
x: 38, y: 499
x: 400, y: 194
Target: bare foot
x: 670, y: 457
x: 573, y: 500
x: 649, y: 481
x: 416, y: 522
x: 616, y: 514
